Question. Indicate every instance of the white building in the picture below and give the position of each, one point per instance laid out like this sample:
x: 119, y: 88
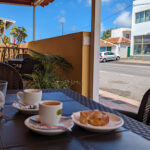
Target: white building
x: 121, y: 32
x: 7, y: 24
x: 122, y: 46
x: 140, y: 37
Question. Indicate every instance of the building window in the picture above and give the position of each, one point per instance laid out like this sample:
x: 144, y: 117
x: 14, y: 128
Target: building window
x: 138, y: 18
x: 142, y: 45
x: 128, y: 36
x: 143, y: 16
x: 147, y: 15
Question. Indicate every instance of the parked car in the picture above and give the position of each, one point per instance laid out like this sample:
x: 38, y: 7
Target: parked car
x: 106, y: 56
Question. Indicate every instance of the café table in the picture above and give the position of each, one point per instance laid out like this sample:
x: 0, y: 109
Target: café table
x: 15, y: 136
x: 14, y: 61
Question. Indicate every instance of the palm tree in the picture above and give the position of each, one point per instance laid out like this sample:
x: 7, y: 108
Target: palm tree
x: 45, y: 74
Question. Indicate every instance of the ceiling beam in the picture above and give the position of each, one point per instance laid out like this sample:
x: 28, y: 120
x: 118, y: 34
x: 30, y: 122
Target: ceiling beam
x: 17, y: 2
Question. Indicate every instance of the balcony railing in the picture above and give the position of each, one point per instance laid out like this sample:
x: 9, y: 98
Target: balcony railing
x: 11, y: 52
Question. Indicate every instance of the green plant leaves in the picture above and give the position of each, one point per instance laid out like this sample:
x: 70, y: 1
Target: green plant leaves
x: 45, y: 75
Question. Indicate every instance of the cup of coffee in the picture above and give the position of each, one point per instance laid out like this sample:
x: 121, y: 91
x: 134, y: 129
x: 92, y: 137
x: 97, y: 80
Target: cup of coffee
x: 50, y: 112
x: 30, y: 96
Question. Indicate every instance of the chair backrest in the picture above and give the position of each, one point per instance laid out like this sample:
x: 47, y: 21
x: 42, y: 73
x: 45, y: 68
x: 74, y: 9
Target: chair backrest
x: 23, y: 56
x: 10, y: 74
x: 27, y: 66
x: 144, y: 110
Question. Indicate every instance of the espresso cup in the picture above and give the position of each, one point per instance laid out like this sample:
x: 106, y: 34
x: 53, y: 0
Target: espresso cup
x: 50, y: 112
x: 30, y: 96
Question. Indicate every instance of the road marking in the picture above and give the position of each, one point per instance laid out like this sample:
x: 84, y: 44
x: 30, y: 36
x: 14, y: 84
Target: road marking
x: 122, y: 74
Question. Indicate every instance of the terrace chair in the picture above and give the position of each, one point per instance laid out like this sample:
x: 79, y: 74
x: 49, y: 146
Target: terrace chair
x: 10, y: 74
x: 23, y: 56
x: 143, y: 114
x: 27, y: 67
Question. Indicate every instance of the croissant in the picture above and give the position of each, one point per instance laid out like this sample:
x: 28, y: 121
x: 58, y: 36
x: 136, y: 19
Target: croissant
x: 94, y: 117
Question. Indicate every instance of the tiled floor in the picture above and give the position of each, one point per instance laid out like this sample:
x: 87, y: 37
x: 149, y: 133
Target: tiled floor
x: 117, y: 104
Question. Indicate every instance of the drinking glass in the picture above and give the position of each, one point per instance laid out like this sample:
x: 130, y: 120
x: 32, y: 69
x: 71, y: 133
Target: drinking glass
x: 3, y: 90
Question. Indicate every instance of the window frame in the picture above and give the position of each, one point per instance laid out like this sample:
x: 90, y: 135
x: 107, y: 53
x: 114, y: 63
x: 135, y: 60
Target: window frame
x: 140, y: 16
x: 142, y: 43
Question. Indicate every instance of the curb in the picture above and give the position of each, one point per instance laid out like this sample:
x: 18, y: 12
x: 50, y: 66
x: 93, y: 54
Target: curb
x: 120, y: 98
x: 133, y: 63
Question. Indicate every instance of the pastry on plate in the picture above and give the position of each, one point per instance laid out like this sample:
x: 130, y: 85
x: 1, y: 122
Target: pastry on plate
x: 94, y: 117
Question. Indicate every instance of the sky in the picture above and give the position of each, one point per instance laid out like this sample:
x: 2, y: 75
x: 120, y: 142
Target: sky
x: 74, y: 14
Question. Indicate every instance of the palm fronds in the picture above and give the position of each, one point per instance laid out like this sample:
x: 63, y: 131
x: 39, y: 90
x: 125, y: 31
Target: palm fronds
x: 45, y: 73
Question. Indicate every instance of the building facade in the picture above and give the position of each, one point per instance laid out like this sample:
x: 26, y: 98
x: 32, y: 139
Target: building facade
x: 107, y: 46
x: 6, y: 24
x: 140, y: 37
x: 121, y: 32
x: 122, y: 46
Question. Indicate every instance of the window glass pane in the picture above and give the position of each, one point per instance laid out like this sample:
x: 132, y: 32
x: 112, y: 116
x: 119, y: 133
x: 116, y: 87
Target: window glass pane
x: 138, y: 18
x: 146, y: 49
x: 147, y: 15
x: 146, y: 39
x: 137, y: 49
x: 142, y: 17
x: 138, y: 39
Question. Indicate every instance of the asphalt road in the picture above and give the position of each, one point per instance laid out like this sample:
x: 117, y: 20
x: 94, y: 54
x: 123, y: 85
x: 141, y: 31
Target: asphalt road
x: 130, y: 81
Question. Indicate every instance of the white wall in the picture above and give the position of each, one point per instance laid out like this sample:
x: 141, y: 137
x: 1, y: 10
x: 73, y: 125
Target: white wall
x: 120, y: 32
x: 123, y: 50
x: 114, y: 49
x: 140, y: 28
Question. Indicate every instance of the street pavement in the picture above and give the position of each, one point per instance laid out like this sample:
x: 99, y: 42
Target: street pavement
x: 127, y: 80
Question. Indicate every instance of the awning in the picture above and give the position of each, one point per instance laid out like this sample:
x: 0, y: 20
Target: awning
x: 27, y: 2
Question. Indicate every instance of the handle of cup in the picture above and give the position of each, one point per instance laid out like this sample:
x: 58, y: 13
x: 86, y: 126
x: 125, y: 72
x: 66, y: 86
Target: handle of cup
x: 19, y: 95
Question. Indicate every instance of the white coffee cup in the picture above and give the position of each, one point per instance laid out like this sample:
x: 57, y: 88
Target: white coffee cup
x: 30, y: 96
x: 50, y: 112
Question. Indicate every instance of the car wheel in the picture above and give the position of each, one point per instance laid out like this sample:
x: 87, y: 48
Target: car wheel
x: 104, y: 60
x: 117, y: 58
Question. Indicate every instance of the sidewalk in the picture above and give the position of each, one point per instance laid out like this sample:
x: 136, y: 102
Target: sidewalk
x: 118, y: 102
x: 133, y: 62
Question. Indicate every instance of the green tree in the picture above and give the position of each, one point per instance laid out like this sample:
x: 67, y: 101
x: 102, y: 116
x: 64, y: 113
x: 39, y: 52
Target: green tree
x: 106, y: 34
x: 12, y: 49
x: 19, y: 33
x: 1, y: 25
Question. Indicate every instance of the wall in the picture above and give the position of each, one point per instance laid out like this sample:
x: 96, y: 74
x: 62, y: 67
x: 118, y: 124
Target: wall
x: 120, y: 32
x: 75, y: 49
x: 140, y: 28
x: 115, y: 49
x: 124, y: 50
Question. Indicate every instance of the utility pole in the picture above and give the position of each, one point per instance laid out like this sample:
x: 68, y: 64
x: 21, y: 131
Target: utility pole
x: 34, y: 23
x: 62, y: 23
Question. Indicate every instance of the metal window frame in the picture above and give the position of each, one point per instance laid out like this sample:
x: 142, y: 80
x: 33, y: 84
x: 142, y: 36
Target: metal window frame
x: 140, y: 16
x: 142, y: 45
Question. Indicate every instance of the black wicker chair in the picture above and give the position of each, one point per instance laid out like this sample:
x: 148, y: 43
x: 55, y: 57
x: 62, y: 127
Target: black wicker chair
x: 10, y: 74
x: 23, y: 56
x: 143, y: 114
x: 27, y: 66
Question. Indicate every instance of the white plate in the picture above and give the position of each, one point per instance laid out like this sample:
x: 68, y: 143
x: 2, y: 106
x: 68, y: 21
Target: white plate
x: 68, y: 123
x: 25, y: 110
x: 115, y: 122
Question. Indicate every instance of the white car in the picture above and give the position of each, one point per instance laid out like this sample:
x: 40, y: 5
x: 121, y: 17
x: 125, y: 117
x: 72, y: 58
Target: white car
x: 106, y: 56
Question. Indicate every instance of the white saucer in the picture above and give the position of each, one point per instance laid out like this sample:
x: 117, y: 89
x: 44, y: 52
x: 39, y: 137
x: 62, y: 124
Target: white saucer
x: 115, y: 122
x: 68, y: 123
x: 30, y: 111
